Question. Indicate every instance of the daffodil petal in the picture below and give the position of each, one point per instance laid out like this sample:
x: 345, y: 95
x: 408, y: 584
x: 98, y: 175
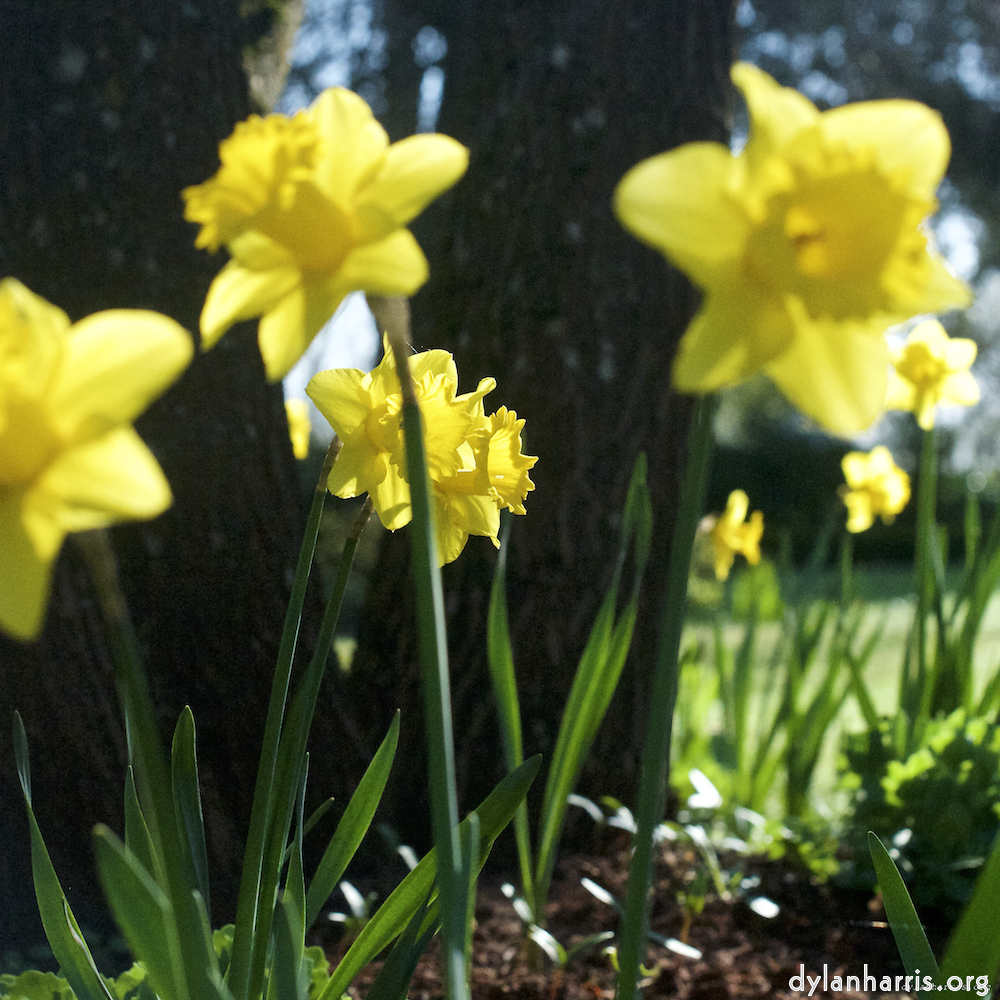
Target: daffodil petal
x: 24, y: 575
x: 240, y: 293
x: 415, y: 171
x: 287, y: 329
x: 731, y: 337
x: 116, y: 363
x: 909, y: 140
x: 777, y: 113
x: 680, y: 203
x: 338, y: 395
x: 391, y: 498
x: 394, y: 265
x: 961, y: 388
x: 353, y: 143
x: 834, y: 372
x: 112, y: 478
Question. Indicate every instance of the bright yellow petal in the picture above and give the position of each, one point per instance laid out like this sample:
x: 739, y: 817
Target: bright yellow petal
x: 392, y: 266
x: 738, y: 330
x: 291, y: 324
x: 24, y: 573
x: 353, y: 143
x: 908, y: 139
x: 31, y: 335
x: 391, y: 498
x: 961, y: 388
x: 777, y: 114
x: 115, y: 364
x: 240, y: 293
x: 360, y: 467
x: 834, y: 372
x: 113, y: 478
x: 339, y: 396
x: 415, y: 171
x: 681, y: 203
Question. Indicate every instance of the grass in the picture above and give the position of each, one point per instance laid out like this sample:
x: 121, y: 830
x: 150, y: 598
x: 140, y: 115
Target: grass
x: 887, y: 592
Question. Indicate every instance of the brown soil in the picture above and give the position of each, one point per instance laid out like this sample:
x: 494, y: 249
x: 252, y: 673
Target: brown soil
x: 818, y: 927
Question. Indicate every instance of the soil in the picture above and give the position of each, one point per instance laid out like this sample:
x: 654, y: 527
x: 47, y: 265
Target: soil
x: 817, y: 929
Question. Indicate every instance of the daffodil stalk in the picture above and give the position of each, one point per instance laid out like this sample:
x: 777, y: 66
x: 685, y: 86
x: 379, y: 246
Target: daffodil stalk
x: 253, y: 906
x: 453, y: 881
x: 930, y: 368
x: 655, y: 762
x: 174, y: 864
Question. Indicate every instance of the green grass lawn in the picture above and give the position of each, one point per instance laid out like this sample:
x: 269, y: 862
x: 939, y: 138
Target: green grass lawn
x: 887, y: 595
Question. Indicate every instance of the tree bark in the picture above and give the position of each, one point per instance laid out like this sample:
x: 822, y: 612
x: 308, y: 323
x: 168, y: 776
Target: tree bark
x: 108, y: 110
x: 534, y: 281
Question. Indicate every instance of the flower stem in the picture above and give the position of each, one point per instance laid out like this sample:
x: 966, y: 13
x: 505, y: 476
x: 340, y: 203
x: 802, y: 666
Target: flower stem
x: 173, y: 863
x: 655, y: 764
x: 454, y: 884
x: 248, y: 912
x: 922, y: 697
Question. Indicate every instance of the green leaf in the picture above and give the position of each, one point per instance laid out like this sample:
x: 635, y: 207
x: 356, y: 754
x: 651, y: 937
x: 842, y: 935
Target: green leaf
x: 61, y: 929
x: 187, y: 798
x: 911, y: 941
x: 594, y: 683
x: 393, y: 979
x: 288, y: 980
x: 353, y: 825
x: 494, y: 813
x: 137, y: 838
x: 974, y: 948
x: 503, y: 681
x: 144, y: 914
x: 33, y: 985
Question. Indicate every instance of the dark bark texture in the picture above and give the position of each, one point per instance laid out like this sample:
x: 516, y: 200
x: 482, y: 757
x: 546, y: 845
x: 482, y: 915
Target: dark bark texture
x: 533, y: 281
x: 107, y: 110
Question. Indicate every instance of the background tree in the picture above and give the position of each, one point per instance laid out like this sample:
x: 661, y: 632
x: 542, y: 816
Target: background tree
x: 107, y: 110
x: 534, y: 282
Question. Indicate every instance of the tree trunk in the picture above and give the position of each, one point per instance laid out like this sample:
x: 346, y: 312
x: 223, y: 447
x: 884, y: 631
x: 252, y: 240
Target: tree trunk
x: 533, y: 281
x: 108, y: 110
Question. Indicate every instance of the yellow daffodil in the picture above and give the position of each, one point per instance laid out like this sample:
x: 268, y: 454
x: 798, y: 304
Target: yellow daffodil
x: 931, y: 368
x: 807, y: 245
x: 474, y: 461
x: 733, y: 534
x: 311, y: 208
x: 876, y: 487
x: 70, y: 459
x: 299, y: 426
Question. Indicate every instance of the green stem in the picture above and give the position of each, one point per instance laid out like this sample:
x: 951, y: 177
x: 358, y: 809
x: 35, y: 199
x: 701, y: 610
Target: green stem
x: 655, y: 763
x: 249, y: 903
x: 920, y: 700
x: 432, y: 641
x: 291, y: 755
x: 175, y: 869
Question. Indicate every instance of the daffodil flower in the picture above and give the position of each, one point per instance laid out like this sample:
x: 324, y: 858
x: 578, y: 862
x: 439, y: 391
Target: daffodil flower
x: 70, y: 459
x: 931, y: 368
x: 733, y: 534
x: 474, y: 460
x: 299, y: 426
x: 876, y: 487
x: 311, y: 208
x: 808, y: 244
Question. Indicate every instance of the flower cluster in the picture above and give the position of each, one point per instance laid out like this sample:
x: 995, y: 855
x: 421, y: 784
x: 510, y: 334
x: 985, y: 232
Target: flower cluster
x: 475, y: 461
x: 70, y: 459
x: 876, y: 487
x: 732, y: 534
x: 311, y: 208
x: 929, y: 369
x: 808, y: 245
